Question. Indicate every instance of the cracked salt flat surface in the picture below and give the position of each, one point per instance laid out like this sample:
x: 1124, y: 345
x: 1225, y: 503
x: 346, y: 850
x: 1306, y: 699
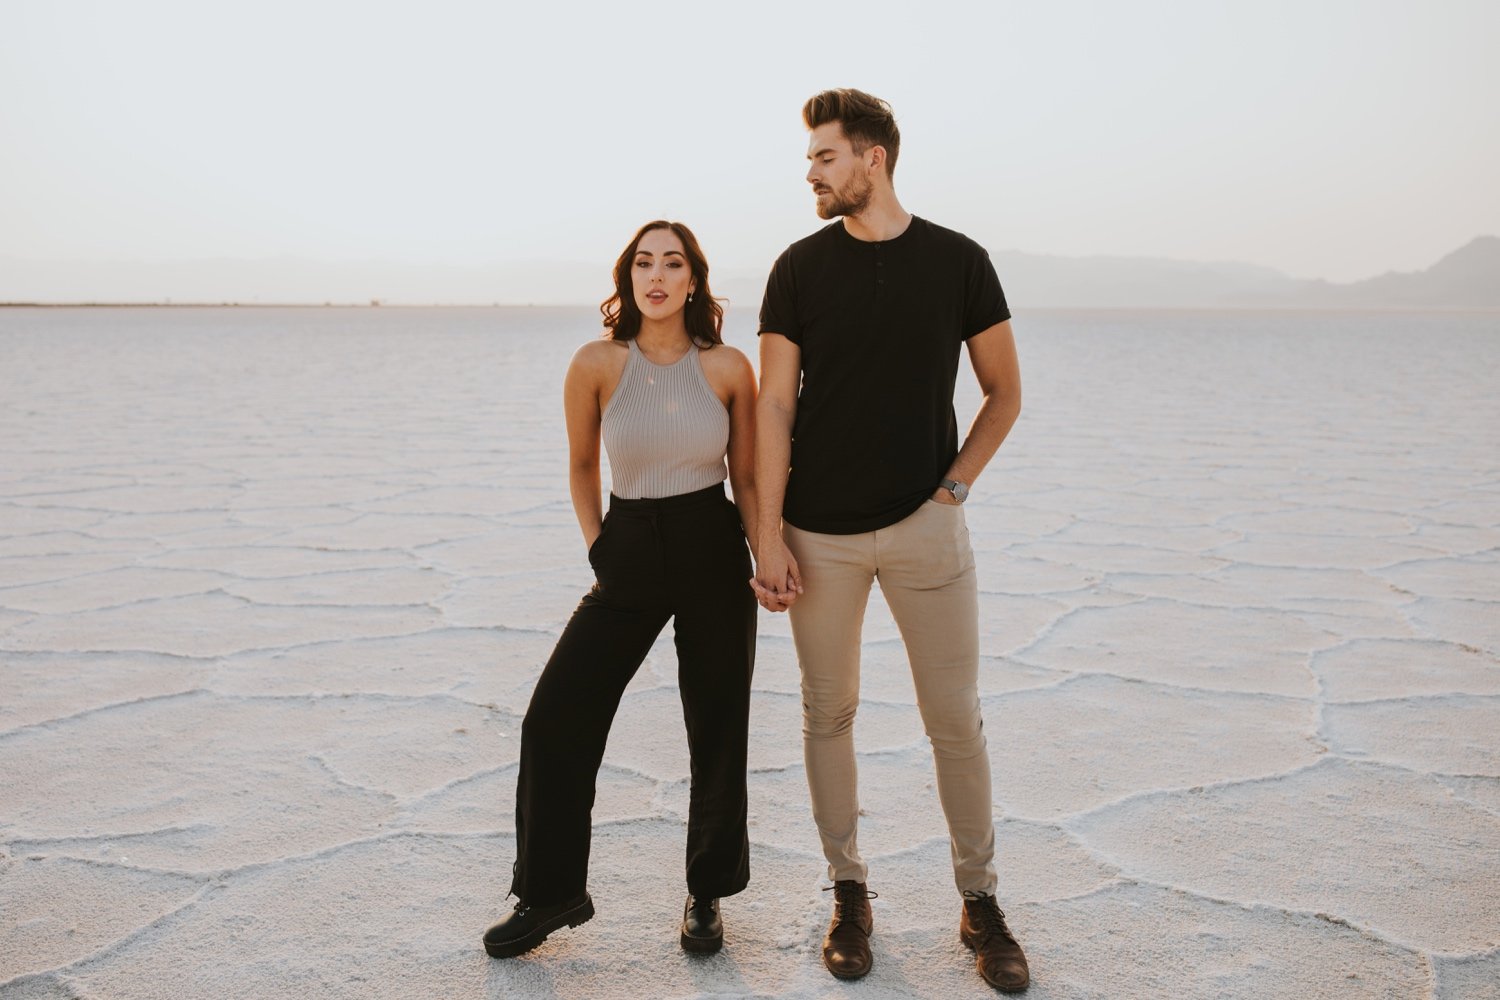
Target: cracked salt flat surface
x: 275, y: 585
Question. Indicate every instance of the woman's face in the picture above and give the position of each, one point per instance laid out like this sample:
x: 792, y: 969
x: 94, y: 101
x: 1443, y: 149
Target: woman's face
x: 660, y: 275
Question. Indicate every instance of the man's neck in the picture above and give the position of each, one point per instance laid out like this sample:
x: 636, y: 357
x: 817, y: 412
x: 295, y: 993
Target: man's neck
x: 883, y: 219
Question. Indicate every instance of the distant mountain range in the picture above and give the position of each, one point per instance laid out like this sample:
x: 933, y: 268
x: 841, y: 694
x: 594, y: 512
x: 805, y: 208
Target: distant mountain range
x: 1467, y: 278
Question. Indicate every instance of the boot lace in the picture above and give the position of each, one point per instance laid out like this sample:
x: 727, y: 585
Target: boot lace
x: 848, y: 893
x: 986, y: 913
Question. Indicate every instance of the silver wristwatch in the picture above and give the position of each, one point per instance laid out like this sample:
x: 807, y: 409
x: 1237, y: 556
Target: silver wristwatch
x: 959, y: 490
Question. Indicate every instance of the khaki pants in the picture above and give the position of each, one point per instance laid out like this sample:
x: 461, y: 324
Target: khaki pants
x: 926, y: 570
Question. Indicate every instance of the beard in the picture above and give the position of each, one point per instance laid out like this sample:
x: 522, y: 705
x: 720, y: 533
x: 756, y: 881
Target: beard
x: 851, y: 199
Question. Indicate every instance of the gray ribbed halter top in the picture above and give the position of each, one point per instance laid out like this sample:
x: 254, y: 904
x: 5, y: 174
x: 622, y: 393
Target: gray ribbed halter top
x: 665, y: 430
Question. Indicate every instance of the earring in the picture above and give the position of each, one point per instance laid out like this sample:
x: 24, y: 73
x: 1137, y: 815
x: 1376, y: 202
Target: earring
x: 690, y: 296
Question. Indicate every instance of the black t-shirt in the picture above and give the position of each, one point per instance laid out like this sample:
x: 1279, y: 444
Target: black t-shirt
x: 880, y: 327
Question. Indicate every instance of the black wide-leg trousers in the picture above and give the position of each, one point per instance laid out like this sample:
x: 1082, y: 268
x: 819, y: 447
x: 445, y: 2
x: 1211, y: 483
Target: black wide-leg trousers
x: 681, y: 557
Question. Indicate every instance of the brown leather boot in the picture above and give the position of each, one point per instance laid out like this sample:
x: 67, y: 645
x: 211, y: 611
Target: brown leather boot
x: 997, y: 953
x: 846, y: 949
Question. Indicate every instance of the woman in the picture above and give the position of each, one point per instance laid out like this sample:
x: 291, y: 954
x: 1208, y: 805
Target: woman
x: 672, y: 403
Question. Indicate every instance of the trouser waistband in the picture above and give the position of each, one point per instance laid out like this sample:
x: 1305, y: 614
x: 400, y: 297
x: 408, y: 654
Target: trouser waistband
x: 665, y: 505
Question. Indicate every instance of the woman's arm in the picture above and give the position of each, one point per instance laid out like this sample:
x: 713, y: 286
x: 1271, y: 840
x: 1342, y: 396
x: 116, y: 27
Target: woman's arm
x: 581, y: 408
x: 741, y: 453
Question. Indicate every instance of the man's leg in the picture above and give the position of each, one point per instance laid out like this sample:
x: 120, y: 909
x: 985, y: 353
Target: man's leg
x: 837, y: 571
x: 927, y: 575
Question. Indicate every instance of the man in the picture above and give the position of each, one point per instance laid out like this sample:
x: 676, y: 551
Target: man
x: 858, y: 462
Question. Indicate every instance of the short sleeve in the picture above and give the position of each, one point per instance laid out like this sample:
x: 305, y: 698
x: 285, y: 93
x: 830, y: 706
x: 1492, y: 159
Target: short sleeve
x: 778, y: 309
x: 984, y: 300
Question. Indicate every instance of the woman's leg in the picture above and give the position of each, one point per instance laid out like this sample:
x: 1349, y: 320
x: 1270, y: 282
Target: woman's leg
x: 715, y: 637
x: 562, y: 743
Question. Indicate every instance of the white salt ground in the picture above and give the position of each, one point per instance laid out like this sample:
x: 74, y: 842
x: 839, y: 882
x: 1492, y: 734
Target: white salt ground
x: 275, y: 585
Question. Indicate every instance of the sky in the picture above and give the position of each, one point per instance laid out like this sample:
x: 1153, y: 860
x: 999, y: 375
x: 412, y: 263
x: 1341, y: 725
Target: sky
x: 1331, y: 139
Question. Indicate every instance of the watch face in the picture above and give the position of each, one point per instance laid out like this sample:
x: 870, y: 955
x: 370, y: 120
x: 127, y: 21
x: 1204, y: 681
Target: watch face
x: 959, y: 490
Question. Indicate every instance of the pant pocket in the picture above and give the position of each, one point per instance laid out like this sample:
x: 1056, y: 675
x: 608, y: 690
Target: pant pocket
x: 594, y: 548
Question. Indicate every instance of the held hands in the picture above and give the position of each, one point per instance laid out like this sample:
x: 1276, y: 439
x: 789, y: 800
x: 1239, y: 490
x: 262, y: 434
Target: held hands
x: 776, y: 582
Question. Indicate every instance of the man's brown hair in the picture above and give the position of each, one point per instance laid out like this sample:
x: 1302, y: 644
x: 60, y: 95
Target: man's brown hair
x: 866, y: 120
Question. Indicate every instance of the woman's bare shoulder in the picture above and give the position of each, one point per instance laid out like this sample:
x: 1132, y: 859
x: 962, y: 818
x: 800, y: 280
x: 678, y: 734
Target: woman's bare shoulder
x: 600, y: 355
x: 723, y: 359
x: 729, y: 373
x: 724, y: 356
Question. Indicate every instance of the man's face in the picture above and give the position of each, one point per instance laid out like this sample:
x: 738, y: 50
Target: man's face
x: 839, y: 176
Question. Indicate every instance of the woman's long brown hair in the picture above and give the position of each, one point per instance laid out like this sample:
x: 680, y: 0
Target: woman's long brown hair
x: 704, y: 315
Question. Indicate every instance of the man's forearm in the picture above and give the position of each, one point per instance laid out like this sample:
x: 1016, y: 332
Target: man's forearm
x: 773, y: 460
x: 991, y: 424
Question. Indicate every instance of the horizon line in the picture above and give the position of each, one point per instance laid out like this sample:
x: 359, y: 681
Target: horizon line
x: 576, y: 305
x: 492, y: 265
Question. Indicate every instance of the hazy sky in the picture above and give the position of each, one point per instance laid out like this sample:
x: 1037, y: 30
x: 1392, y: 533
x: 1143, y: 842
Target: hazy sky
x: 1326, y: 139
